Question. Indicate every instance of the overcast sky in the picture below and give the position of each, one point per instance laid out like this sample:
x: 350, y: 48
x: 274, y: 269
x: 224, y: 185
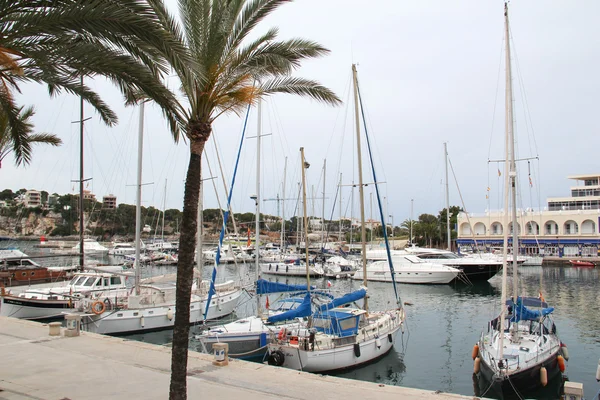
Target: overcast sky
x: 429, y: 71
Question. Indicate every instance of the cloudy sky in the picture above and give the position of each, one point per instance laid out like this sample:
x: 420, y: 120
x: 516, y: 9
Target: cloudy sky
x: 429, y: 72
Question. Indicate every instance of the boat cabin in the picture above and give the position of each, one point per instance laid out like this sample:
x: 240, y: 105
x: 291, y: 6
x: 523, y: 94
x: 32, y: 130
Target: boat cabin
x: 338, y: 321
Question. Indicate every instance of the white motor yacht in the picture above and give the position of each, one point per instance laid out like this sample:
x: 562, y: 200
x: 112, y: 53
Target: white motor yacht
x: 409, y: 269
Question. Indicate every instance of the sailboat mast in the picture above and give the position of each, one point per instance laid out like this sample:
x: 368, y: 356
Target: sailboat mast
x: 257, y: 227
x: 447, y: 198
x: 363, y: 235
x: 138, y: 201
x: 305, y: 217
x: 340, y: 227
x: 512, y: 176
x: 323, y: 208
x: 200, y: 219
x: 162, y: 231
x: 283, y: 207
x: 81, y: 224
x: 507, y: 168
x: 411, y: 220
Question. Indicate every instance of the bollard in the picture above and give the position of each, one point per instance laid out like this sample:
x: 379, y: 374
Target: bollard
x: 221, y: 354
x: 73, y: 323
x: 573, y: 390
x: 54, y: 328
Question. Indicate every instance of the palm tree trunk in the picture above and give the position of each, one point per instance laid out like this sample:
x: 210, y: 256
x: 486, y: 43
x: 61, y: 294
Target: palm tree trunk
x: 185, y: 274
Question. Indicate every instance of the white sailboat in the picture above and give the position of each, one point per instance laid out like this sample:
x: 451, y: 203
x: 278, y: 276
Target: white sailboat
x: 152, y: 305
x: 520, y: 352
x: 247, y: 337
x: 339, y: 337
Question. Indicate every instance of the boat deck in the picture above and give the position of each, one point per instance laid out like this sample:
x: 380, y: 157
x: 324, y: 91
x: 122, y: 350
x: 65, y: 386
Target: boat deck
x: 56, y: 362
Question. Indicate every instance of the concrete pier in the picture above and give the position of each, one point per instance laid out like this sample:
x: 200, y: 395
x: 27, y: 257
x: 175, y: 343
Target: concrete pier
x: 35, y: 365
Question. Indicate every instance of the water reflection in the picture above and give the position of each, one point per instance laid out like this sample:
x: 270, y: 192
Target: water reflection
x: 388, y: 370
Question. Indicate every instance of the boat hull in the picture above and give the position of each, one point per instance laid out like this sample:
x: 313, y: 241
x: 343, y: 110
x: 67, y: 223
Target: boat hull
x: 247, y: 338
x: 34, y: 309
x: 339, y: 358
x: 431, y: 278
x: 289, y: 270
x: 479, y: 272
x: 154, y: 318
x: 526, y: 381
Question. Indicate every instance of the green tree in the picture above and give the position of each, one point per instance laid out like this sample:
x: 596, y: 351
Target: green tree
x: 427, y: 229
x: 228, y: 73
x: 58, y: 42
x: 21, y: 146
x: 454, y: 210
x: 7, y: 195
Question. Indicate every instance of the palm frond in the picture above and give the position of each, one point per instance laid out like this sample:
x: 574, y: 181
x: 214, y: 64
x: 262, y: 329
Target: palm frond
x: 300, y: 87
x: 45, y: 138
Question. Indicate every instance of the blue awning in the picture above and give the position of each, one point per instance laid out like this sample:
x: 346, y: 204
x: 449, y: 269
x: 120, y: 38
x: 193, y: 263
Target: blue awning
x: 264, y: 287
x: 303, y: 310
x: 345, y: 299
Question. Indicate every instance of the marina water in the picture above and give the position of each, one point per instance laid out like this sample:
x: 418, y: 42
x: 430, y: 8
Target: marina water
x: 444, y: 322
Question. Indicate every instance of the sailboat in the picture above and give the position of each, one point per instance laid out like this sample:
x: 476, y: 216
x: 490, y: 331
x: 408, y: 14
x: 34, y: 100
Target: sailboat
x: 340, y: 337
x: 152, y: 305
x: 247, y: 337
x: 520, y: 352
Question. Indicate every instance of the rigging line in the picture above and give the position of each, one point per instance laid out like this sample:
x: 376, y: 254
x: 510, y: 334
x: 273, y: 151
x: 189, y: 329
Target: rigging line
x: 341, y: 151
x: 235, y: 231
x: 377, y: 152
x: 212, y: 290
x: 464, y: 207
x: 526, y: 112
x: 337, y: 116
x: 387, y: 244
x: 496, y: 96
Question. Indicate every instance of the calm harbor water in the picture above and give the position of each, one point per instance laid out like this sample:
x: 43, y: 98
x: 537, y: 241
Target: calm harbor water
x: 444, y: 322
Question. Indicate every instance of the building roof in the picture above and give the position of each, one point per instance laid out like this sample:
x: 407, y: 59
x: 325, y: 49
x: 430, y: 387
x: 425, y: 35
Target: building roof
x: 583, y: 177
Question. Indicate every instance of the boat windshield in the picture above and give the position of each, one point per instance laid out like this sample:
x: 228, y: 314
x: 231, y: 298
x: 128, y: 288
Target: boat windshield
x: 89, y: 282
x: 432, y: 256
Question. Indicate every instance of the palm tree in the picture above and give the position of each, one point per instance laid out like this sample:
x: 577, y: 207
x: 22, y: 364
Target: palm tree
x: 57, y: 42
x: 226, y: 75
x: 22, y: 146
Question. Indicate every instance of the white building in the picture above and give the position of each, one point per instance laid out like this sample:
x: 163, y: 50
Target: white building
x: 568, y: 226
x: 32, y: 198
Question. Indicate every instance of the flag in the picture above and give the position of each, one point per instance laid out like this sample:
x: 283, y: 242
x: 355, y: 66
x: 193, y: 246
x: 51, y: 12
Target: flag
x: 249, y: 242
x: 530, y: 182
x: 488, y: 189
x: 267, y: 305
x: 328, y: 283
x: 499, y: 173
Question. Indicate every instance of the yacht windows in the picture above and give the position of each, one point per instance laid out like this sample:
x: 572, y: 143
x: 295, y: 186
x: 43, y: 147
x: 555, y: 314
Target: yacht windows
x: 89, y: 282
x: 80, y: 280
x: 115, y: 280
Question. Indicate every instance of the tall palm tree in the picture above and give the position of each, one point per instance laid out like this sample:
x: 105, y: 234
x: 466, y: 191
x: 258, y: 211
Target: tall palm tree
x: 57, y: 42
x: 225, y: 75
x: 23, y: 153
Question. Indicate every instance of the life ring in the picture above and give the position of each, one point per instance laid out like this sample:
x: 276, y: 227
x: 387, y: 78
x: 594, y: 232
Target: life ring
x: 98, y: 307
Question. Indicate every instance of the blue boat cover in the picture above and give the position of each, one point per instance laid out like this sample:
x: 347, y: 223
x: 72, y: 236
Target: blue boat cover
x: 303, y: 310
x: 265, y: 287
x: 345, y: 299
x: 520, y: 312
x: 339, y: 323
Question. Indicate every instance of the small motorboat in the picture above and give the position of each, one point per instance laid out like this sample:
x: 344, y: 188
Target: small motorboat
x: 582, y: 263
